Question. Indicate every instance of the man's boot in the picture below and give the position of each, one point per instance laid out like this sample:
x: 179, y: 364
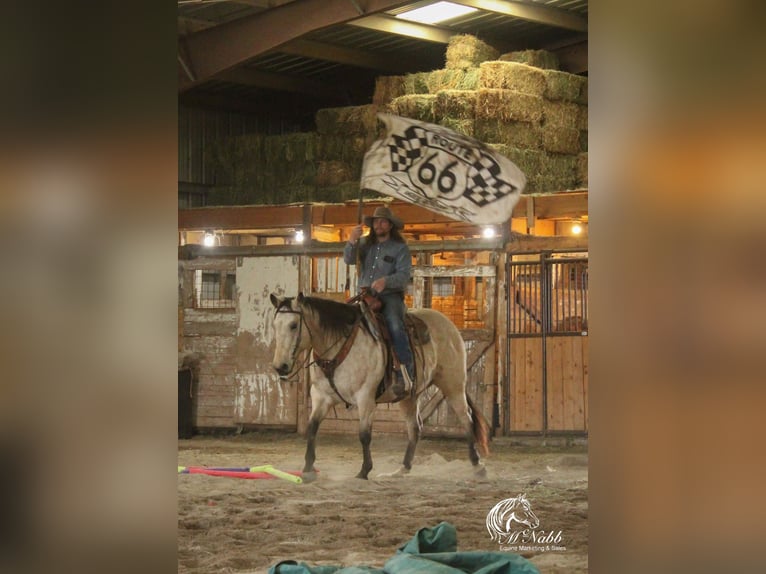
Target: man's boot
x: 398, y: 386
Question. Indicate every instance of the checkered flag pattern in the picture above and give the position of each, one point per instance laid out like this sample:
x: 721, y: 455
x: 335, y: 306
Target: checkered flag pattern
x: 406, y: 149
x: 484, y: 185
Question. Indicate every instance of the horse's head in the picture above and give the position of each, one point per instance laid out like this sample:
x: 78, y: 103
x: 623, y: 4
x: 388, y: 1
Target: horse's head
x: 290, y: 334
x: 522, y: 512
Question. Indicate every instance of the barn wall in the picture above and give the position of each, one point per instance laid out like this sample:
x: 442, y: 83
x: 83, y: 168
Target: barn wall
x: 237, y: 385
x: 260, y: 396
x: 212, y: 334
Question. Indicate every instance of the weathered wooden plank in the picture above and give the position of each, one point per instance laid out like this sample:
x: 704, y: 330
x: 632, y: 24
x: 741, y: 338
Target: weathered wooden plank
x: 478, y: 350
x: 585, y: 365
x: 555, y: 384
x: 576, y: 398
x: 206, y: 329
x: 567, y: 383
x: 534, y: 384
x: 209, y: 263
x: 454, y: 271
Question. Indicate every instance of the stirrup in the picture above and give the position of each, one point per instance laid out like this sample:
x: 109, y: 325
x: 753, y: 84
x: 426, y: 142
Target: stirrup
x: 408, y: 382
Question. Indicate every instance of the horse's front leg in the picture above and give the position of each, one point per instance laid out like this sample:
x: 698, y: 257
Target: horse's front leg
x: 318, y: 413
x: 366, y: 410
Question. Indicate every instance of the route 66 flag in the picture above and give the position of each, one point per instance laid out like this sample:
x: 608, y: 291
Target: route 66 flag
x: 443, y: 171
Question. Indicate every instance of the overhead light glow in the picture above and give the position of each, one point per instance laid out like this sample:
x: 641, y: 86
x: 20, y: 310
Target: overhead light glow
x: 436, y: 13
x: 488, y: 232
x: 299, y: 236
x: 209, y: 239
x: 577, y: 229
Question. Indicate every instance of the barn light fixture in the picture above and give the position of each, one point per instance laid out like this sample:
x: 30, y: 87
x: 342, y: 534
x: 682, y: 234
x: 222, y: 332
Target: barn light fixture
x: 209, y: 239
x: 577, y: 227
x: 299, y: 236
x: 488, y: 232
x: 435, y: 13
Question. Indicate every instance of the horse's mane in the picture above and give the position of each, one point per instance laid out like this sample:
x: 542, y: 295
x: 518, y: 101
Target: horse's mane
x: 334, y: 317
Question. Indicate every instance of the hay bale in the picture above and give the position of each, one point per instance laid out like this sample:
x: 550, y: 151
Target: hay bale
x: 345, y: 191
x: 512, y: 76
x: 561, y: 113
x: 559, y: 166
x: 416, y: 83
x: 466, y: 51
x: 565, y: 86
x: 527, y: 160
x: 291, y: 194
x: 416, y: 106
x: 583, y: 140
x: 516, y: 134
x: 291, y: 147
x: 582, y: 118
x: 547, y: 184
x: 582, y: 97
x: 508, y: 105
x: 452, y: 79
x: 535, y: 58
x: 560, y: 139
x: 333, y: 173
x: 330, y: 147
x: 465, y: 127
x: 387, y: 88
x: 346, y: 121
x: 581, y: 173
x: 455, y: 105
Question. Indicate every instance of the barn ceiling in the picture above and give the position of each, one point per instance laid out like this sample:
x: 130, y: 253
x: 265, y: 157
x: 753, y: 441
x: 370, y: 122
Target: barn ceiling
x: 257, y: 55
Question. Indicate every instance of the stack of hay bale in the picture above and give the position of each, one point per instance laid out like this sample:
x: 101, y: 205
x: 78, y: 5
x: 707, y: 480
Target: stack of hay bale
x: 519, y: 103
x: 265, y: 169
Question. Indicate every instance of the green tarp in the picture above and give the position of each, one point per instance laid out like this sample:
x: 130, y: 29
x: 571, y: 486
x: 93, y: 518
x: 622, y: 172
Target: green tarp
x: 431, y: 551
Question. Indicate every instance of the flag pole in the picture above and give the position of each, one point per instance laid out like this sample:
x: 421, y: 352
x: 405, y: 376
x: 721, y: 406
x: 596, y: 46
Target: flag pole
x: 347, y: 287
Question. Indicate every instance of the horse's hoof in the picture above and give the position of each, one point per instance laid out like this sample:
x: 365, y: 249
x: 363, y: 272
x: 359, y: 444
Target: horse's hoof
x: 480, y: 471
x: 309, y: 476
x: 398, y: 473
x: 362, y: 476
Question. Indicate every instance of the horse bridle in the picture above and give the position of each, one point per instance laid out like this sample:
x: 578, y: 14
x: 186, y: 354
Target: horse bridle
x: 294, y: 353
x: 327, y: 366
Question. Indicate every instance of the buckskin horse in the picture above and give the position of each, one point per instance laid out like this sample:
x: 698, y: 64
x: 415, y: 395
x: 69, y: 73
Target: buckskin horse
x: 348, y: 363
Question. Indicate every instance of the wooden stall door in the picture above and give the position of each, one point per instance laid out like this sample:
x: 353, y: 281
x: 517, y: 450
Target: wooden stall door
x: 261, y: 397
x: 548, y: 368
x: 567, y: 381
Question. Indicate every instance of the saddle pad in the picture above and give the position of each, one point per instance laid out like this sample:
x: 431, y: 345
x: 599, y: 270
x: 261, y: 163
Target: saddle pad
x: 418, y: 326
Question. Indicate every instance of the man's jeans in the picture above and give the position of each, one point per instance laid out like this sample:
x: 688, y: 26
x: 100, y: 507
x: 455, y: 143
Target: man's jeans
x: 393, y: 311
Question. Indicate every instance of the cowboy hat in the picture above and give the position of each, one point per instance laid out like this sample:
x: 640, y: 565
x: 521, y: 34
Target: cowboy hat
x: 384, y: 213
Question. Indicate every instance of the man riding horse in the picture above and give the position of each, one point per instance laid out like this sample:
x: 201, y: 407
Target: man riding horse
x: 386, y: 265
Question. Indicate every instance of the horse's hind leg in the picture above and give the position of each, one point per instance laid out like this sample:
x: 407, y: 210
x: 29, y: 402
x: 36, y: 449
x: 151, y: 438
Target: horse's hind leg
x: 409, y: 407
x: 318, y: 412
x: 459, y: 404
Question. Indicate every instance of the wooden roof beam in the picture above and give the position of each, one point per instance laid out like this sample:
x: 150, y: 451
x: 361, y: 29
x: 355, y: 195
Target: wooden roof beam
x: 400, y: 27
x: 546, y: 206
x: 347, y: 56
x: 532, y: 12
x: 221, y: 48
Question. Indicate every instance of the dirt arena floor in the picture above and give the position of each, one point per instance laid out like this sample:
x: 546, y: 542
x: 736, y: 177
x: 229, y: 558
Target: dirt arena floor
x: 246, y: 526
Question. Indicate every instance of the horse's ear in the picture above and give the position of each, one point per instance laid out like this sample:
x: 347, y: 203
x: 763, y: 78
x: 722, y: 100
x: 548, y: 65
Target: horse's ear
x: 300, y: 297
x: 276, y: 301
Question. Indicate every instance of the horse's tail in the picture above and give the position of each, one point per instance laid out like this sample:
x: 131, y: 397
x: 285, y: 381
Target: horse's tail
x: 481, y: 430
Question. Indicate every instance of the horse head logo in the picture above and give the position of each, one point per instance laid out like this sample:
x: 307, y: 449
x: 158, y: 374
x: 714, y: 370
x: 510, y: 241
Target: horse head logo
x: 508, y: 511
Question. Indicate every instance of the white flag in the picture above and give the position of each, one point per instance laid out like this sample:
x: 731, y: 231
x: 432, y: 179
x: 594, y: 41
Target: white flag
x: 443, y: 171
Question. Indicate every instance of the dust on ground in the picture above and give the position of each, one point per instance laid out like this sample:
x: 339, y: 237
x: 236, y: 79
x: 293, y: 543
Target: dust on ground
x: 237, y: 525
